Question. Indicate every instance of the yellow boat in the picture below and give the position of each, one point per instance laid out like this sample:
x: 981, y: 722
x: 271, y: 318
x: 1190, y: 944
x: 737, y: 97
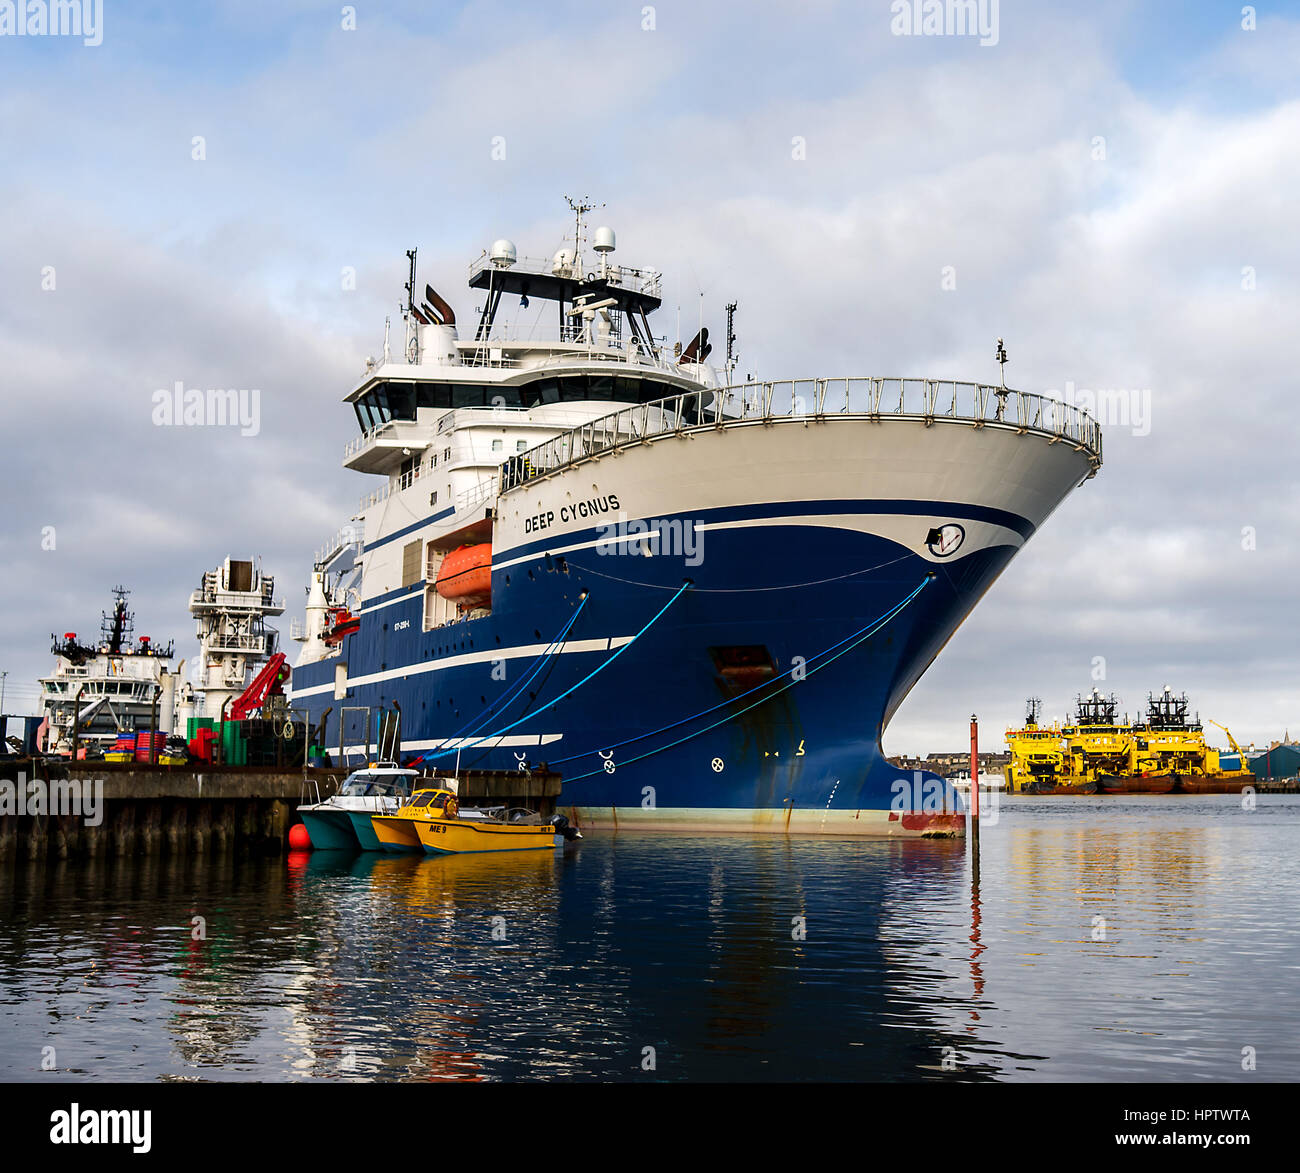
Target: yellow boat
x: 434, y: 822
x: 396, y: 832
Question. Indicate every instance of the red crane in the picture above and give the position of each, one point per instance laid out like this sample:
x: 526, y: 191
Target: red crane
x: 268, y: 682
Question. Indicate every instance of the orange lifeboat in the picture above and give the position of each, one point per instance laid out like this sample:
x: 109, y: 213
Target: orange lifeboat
x: 465, y: 576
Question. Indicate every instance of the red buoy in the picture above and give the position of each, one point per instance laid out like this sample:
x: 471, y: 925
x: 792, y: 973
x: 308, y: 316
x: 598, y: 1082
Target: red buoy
x: 299, y: 839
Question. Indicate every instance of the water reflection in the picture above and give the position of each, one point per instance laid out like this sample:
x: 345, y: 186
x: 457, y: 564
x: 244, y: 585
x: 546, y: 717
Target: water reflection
x: 1116, y: 944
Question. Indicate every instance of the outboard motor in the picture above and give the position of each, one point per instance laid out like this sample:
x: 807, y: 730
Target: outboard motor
x: 564, y: 827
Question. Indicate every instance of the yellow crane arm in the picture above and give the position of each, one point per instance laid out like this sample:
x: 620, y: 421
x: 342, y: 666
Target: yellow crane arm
x: 1231, y: 741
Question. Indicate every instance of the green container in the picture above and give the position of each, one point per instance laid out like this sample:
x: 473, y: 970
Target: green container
x: 194, y: 724
x: 234, y: 748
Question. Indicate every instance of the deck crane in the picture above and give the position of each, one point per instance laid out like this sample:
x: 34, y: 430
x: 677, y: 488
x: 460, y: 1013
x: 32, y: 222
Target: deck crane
x: 1232, y: 741
x: 267, y: 683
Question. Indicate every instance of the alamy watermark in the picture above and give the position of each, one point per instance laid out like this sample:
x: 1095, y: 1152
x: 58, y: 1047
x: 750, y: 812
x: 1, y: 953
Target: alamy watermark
x: 60, y: 796
x: 945, y: 18
x: 1112, y: 407
x: 53, y: 18
x: 216, y: 407
x: 929, y: 794
x: 678, y: 537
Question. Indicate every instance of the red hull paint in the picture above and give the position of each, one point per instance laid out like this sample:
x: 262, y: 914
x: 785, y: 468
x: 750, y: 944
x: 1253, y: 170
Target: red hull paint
x: 935, y: 824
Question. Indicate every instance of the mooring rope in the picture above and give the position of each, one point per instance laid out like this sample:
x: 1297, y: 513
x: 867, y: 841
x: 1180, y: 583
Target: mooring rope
x: 475, y: 723
x: 793, y: 586
x: 891, y: 614
x: 883, y: 618
x: 569, y: 691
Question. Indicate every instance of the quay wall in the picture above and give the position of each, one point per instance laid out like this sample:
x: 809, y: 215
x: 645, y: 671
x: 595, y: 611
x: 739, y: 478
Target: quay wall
x: 62, y: 810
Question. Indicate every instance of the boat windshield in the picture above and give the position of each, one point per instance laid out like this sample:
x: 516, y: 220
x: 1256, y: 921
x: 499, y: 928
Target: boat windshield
x: 391, y: 785
x: 362, y: 784
x: 356, y: 784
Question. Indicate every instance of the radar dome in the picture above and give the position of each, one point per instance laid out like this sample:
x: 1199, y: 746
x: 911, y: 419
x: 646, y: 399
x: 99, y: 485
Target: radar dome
x: 604, y: 240
x: 503, y: 253
x: 562, y: 263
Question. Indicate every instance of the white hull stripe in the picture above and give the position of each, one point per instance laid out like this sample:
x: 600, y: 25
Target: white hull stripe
x: 878, y: 524
x: 512, y: 739
x: 390, y: 602
x: 863, y: 523
x: 654, y: 533
x: 527, y: 650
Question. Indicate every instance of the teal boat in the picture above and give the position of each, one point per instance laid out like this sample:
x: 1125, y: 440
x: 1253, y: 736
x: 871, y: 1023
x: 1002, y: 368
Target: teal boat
x: 342, y: 821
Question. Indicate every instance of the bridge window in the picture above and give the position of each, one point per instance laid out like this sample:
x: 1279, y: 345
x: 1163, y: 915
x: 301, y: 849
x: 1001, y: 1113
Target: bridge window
x: 602, y: 388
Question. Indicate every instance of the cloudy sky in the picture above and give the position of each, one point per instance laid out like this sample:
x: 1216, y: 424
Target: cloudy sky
x: 1111, y: 187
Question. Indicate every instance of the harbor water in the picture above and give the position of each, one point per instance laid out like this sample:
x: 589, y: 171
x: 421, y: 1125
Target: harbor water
x: 1115, y: 939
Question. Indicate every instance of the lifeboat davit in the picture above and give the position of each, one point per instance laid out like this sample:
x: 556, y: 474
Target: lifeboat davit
x: 465, y: 576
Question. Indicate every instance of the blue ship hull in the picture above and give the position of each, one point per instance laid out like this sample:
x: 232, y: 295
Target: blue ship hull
x: 663, y: 728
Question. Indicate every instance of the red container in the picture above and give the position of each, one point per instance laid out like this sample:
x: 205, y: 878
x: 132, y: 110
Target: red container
x: 145, y: 741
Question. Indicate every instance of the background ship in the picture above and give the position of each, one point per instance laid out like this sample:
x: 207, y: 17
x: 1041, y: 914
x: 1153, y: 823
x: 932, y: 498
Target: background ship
x: 101, y: 689
x: 700, y: 601
x: 122, y: 689
x: 1101, y: 751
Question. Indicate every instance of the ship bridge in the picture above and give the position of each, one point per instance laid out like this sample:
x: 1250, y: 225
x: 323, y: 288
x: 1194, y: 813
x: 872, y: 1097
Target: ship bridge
x: 514, y: 387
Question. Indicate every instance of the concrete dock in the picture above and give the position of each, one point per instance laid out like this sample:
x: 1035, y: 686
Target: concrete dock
x: 65, y: 810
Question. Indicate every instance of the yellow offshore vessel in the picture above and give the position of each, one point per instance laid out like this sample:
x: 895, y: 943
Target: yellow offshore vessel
x: 1102, y: 752
x: 1169, y: 754
x: 1038, y: 760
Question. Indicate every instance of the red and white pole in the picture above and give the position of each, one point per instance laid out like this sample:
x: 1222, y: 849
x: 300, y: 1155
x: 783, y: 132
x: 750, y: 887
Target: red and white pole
x: 975, y: 782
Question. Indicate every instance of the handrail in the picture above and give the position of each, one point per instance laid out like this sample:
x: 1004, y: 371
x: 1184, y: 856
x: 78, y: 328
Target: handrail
x: 871, y: 398
x: 463, y: 500
x: 647, y: 281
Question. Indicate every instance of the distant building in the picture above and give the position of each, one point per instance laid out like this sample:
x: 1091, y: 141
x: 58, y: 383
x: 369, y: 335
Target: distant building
x: 1282, y: 760
x: 949, y: 765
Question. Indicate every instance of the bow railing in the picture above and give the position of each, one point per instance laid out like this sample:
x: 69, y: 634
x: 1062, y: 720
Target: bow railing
x: 928, y: 400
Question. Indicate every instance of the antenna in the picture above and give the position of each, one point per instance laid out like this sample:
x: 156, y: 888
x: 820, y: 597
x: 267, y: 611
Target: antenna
x: 410, y: 283
x: 731, y: 338
x: 412, y: 338
x: 1001, y: 357
x: 581, y: 207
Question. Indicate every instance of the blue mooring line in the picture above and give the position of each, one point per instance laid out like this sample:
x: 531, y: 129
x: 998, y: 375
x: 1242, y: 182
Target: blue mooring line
x: 595, y: 671
x: 727, y: 703
x: 552, y: 649
x: 762, y: 701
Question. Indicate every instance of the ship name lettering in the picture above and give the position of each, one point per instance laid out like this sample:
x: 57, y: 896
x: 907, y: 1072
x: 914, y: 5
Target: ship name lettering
x: 581, y: 510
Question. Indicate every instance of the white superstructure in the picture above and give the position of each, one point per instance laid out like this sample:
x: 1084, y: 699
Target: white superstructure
x: 114, y: 686
x: 440, y: 418
x: 231, y: 606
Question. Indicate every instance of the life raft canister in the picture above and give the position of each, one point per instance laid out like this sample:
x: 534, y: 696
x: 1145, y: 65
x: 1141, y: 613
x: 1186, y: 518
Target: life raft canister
x: 465, y: 576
